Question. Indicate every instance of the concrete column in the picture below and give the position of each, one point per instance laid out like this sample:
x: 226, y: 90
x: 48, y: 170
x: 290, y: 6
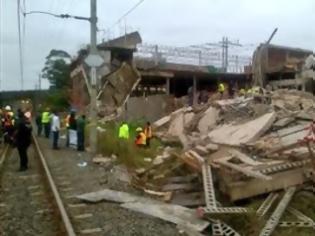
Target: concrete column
x: 168, y: 86
x: 195, y: 98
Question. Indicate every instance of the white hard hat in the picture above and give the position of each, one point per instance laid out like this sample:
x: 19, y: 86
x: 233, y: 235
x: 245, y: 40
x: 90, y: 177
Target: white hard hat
x: 8, y: 108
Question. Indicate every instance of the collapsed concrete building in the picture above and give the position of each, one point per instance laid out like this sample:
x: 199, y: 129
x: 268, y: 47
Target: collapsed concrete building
x: 282, y: 67
x: 127, y: 80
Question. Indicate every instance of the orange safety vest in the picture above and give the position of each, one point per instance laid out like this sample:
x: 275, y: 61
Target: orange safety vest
x: 141, y: 139
x: 148, y: 132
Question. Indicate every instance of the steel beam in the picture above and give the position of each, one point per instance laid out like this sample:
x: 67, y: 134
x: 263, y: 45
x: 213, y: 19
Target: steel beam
x: 265, y: 206
x: 208, y: 186
x: 277, y: 214
x: 302, y: 224
x: 300, y: 215
x: 225, y: 210
x: 283, y: 167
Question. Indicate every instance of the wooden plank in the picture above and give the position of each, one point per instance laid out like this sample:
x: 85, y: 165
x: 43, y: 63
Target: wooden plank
x: 172, y: 213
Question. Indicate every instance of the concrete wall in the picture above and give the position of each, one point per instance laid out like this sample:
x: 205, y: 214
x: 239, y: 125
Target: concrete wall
x: 150, y: 108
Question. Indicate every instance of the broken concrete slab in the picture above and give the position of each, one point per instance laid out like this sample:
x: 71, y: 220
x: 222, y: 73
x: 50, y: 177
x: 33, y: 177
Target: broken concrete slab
x: 244, y: 170
x: 245, y: 189
x: 169, y: 212
x: 188, y: 199
x: 188, y: 117
x: 283, y: 122
x: 173, y: 213
x: 110, y: 195
x: 212, y: 147
x: 290, y: 130
x: 164, y: 120
x: 176, y: 129
x: 201, y: 150
x: 209, y: 120
x: 181, y: 186
x: 236, y: 135
x: 244, y: 158
x: 303, y: 115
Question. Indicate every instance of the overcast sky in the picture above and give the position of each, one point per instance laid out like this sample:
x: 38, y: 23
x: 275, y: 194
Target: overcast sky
x: 170, y: 22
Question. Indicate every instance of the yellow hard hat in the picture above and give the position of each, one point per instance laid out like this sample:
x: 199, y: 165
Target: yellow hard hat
x: 139, y: 129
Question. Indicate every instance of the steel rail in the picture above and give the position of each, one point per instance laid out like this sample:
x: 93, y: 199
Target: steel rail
x: 3, y: 155
x: 64, y: 215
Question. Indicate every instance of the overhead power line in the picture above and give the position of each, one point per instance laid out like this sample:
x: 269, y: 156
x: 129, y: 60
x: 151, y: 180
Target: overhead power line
x: 127, y: 13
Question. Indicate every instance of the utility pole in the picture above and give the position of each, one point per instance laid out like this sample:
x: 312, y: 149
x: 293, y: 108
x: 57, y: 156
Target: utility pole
x: 93, y: 77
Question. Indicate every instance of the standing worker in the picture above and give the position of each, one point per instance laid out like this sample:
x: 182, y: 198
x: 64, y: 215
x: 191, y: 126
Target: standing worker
x: 23, y: 139
x: 124, y: 131
x: 148, y: 133
x: 46, y: 119
x: 140, y: 138
x: 38, y: 121
x: 8, y: 125
x: 71, y: 125
x: 55, y: 127
x: 80, y: 133
x: 221, y: 89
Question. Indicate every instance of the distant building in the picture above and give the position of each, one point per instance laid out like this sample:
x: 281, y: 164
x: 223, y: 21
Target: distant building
x: 280, y: 67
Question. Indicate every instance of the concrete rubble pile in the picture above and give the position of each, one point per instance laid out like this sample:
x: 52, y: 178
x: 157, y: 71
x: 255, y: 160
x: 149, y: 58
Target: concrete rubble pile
x: 260, y: 151
x: 221, y: 154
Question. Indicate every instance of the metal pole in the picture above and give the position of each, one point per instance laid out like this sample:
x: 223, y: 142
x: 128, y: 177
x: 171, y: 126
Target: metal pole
x: 93, y: 105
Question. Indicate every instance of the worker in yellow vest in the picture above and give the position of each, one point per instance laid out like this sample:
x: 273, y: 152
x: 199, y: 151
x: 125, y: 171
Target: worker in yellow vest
x: 221, y: 89
x: 124, y: 131
x: 242, y: 92
x: 46, y: 118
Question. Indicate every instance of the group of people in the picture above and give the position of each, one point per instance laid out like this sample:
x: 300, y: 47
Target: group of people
x: 16, y: 131
x: 50, y: 122
x: 143, y: 135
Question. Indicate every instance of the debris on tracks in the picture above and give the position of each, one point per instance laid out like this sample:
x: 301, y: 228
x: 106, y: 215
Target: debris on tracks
x: 232, y: 151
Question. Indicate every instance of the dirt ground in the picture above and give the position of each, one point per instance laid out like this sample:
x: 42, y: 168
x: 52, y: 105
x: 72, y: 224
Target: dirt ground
x: 108, y: 218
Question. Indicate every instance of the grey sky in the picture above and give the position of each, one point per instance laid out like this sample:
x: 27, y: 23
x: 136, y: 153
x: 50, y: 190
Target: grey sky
x: 170, y: 22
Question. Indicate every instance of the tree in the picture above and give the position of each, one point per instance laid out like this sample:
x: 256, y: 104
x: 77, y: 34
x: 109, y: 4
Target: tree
x: 57, y: 71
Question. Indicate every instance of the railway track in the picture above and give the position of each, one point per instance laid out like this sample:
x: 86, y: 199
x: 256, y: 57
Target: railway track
x: 42, y: 199
x: 30, y: 203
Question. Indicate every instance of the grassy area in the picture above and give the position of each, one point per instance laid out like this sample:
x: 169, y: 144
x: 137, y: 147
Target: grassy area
x: 126, y: 151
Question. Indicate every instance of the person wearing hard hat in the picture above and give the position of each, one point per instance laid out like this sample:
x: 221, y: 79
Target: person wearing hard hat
x: 8, y: 125
x: 140, y: 138
x: 221, y: 89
